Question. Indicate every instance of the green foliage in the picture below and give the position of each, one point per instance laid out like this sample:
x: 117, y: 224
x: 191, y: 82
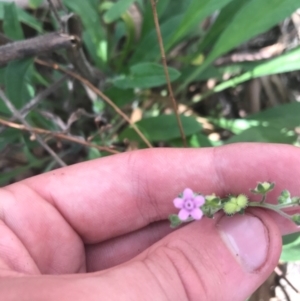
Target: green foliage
x: 17, y: 76
x: 291, y: 247
x: 162, y: 128
x: 247, y: 21
x: 117, y: 10
x: 23, y: 17
x: 145, y: 75
x: 11, y: 25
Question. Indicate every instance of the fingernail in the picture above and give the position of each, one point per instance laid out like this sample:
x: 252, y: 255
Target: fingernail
x: 247, y: 238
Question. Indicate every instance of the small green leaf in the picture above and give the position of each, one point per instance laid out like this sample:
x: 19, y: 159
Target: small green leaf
x: 117, y: 10
x: 145, y: 75
x: 174, y: 220
x: 296, y: 219
x: 11, y: 25
x: 263, y: 188
x: 162, y: 128
x: 16, y: 77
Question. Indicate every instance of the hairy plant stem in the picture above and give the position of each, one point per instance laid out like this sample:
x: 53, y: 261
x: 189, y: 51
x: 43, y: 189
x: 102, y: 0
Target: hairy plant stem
x: 276, y: 208
x: 263, y: 199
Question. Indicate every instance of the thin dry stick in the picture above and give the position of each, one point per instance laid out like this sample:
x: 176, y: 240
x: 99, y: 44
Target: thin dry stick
x: 56, y: 135
x: 164, y: 61
x: 99, y: 93
x: 37, y: 99
x: 56, y: 14
x: 30, y: 47
x: 18, y: 115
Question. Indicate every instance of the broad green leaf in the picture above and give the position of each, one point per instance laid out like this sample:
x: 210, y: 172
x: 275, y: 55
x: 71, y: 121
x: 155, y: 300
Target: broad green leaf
x: 253, y: 18
x: 120, y: 97
x: 162, y: 128
x: 16, y: 77
x: 286, y: 115
x: 223, y: 20
x: 235, y: 126
x: 195, y: 13
x: 117, y: 10
x: 270, y: 134
x: 272, y: 125
x: 11, y: 25
x: 145, y: 75
x: 287, y: 62
x: 291, y: 251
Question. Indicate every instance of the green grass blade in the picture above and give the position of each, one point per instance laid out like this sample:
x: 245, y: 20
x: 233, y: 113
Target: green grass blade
x: 145, y: 75
x: 16, y: 79
x: 117, y: 10
x: 253, y: 18
x: 11, y: 25
x: 195, y: 13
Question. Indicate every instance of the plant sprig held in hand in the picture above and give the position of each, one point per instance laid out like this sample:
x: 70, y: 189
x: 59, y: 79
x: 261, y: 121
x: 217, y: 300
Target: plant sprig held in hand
x: 193, y: 206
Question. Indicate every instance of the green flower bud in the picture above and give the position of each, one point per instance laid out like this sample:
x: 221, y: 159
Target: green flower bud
x: 235, y: 204
x: 296, y: 200
x: 296, y: 219
x: 212, y: 201
x: 230, y: 208
x: 281, y: 199
x: 285, y: 193
x: 263, y: 187
x: 242, y: 201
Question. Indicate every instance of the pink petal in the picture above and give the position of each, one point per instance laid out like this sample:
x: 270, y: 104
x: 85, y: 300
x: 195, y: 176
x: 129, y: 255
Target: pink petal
x: 178, y: 203
x: 188, y: 193
x: 199, y: 200
x: 183, y: 215
x: 197, y: 214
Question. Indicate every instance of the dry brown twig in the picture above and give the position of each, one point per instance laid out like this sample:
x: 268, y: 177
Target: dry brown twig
x: 28, y: 127
x: 35, y: 46
x: 99, y: 93
x: 61, y: 136
x: 164, y: 61
x: 37, y: 99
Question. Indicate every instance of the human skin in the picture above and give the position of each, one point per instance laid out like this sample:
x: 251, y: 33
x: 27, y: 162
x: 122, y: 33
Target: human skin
x: 99, y: 231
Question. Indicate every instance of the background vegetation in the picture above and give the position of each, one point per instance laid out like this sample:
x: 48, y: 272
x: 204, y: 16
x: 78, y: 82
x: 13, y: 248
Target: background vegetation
x: 233, y: 64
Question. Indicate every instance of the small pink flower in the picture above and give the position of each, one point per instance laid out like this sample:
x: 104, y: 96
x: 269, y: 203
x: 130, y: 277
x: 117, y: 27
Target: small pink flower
x: 189, y: 205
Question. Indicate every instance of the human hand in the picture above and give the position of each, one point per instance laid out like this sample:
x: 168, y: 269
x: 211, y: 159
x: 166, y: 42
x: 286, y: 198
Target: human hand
x: 99, y: 230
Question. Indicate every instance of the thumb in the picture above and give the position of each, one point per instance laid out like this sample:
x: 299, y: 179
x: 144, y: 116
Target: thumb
x: 226, y: 259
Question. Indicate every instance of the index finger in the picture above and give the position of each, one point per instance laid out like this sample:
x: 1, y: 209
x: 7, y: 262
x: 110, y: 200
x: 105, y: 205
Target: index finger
x: 108, y: 197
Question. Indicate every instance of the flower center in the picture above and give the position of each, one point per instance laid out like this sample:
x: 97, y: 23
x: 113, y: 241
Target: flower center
x: 189, y: 204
